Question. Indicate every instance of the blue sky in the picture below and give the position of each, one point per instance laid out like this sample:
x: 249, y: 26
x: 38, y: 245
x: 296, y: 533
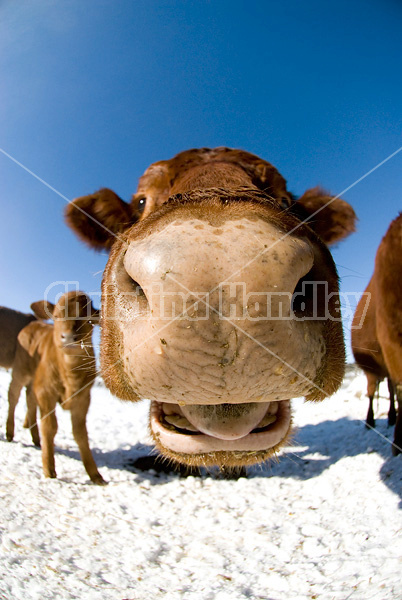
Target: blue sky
x: 95, y: 91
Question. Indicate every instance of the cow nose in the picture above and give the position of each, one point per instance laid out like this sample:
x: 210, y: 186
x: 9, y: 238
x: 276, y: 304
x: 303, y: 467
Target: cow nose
x: 241, y: 268
x: 67, y: 338
x: 202, y: 313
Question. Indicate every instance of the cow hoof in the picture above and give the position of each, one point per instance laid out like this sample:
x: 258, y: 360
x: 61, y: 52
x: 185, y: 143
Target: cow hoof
x: 36, y: 440
x: 396, y: 450
x: 370, y: 424
x: 98, y: 480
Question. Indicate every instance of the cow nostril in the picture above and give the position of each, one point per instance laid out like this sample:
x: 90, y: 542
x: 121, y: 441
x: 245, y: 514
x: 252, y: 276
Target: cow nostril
x: 126, y: 283
x: 133, y: 287
x: 302, y: 297
x: 137, y: 289
x: 67, y: 337
x: 309, y: 297
x: 131, y: 293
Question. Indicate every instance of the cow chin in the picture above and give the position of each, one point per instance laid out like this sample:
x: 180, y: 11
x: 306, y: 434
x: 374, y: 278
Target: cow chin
x: 178, y: 440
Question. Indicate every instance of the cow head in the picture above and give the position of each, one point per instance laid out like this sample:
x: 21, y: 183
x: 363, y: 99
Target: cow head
x: 219, y: 301
x: 74, y: 318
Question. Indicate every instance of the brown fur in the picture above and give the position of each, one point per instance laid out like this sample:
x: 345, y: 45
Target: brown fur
x: 387, y: 294
x: 22, y: 376
x: 330, y: 217
x: 11, y: 323
x: 61, y: 368
x: 13, y: 356
x: 160, y: 177
x: 367, y: 352
x: 103, y: 207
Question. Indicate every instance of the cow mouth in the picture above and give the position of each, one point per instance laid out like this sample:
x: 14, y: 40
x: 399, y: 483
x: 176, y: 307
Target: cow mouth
x: 180, y: 438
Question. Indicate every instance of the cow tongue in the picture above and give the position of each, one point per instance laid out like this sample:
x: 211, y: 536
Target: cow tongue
x: 226, y: 421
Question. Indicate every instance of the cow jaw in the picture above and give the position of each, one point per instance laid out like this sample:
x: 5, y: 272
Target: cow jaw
x: 183, y: 441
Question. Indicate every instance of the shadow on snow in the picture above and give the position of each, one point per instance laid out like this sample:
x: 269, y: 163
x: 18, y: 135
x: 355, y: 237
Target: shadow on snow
x: 314, y: 449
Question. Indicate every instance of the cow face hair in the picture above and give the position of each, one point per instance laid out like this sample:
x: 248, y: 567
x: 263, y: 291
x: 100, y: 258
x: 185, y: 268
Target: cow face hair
x: 99, y: 218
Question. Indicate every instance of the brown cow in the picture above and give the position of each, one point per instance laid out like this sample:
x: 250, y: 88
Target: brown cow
x: 368, y: 355
x: 219, y: 304
x: 62, y: 370
x: 11, y: 323
x: 13, y: 356
x: 387, y: 294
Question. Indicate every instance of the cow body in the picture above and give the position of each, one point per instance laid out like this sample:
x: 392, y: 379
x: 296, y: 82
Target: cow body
x: 211, y: 303
x: 13, y: 356
x: 368, y: 354
x: 11, y: 323
x: 387, y: 294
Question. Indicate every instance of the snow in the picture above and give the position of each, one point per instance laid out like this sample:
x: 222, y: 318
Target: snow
x: 321, y: 523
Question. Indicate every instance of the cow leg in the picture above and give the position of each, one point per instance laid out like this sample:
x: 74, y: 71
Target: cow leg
x: 14, y: 392
x: 30, y: 418
x: 392, y: 411
x: 397, y: 445
x: 372, y: 386
x: 48, y: 427
x: 78, y: 420
x: 370, y: 421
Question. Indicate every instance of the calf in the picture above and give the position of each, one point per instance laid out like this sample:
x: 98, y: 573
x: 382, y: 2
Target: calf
x: 219, y: 301
x: 63, y: 370
x: 368, y: 355
x: 13, y: 356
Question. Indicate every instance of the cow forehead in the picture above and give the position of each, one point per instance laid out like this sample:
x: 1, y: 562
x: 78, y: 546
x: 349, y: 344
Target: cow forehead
x: 163, y: 173
x: 73, y: 303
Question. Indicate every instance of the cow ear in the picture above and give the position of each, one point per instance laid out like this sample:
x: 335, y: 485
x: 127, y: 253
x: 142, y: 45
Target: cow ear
x: 43, y: 309
x: 99, y: 218
x: 332, y: 218
x: 30, y: 337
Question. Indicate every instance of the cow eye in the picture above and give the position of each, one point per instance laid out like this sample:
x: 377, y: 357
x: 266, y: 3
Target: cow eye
x: 284, y: 202
x: 141, y: 204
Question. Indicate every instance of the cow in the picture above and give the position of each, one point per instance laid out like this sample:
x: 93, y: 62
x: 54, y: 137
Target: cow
x: 368, y: 355
x: 13, y: 356
x: 387, y: 294
x: 61, y: 368
x: 11, y: 323
x: 219, y: 301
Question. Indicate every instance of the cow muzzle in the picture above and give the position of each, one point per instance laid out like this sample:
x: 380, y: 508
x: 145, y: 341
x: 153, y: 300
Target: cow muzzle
x: 206, y: 330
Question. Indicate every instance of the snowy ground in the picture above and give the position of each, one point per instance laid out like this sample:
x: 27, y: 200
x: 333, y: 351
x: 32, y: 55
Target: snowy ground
x: 322, y: 523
